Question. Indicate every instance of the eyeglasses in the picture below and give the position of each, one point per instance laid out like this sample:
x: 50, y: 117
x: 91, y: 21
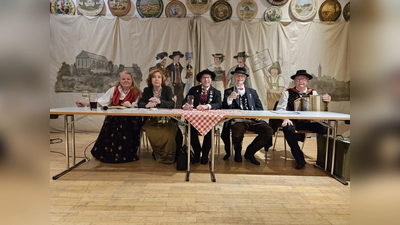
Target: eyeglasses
x: 206, y: 77
x: 301, y: 79
x: 240, y: 75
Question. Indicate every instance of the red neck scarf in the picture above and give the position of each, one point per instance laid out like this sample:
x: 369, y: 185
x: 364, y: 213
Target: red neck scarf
x: 116, y: 95
x: 309, y: 90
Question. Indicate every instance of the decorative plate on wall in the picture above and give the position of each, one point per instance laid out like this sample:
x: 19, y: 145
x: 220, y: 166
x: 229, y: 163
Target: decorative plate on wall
x: 65, y: 7
x: 247, y: 10
x: 346, y: 12
x: 273, y: 13
x: 277, y: 2
x: 303, y: 10
x: 90, y: 7
x: 119, y: 7
x: 149, y: 8
x: 220, y: 11
x: 198, y: 7
x: 175, y: 9
x: 330, y: 10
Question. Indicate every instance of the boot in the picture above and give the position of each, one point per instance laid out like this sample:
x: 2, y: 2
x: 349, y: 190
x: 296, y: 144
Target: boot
x: 204, y: 156
x: 238, y: 152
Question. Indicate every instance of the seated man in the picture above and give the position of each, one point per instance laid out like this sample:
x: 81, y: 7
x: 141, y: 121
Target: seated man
x: 286, y: 102
x: 244, y: 98
x: 206, y: 97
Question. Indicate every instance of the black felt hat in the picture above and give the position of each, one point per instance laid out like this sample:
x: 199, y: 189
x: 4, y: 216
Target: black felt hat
x: 206, y: 71
x: 240, y: 70
x: 175, y: 53
x: 301, y: 73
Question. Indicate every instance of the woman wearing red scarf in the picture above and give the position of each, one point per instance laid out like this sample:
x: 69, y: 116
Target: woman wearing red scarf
x: 119, y: 138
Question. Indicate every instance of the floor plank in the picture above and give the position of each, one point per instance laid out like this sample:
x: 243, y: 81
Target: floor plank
x: 146, y: 192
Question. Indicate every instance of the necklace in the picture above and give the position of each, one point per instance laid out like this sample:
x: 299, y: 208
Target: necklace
x: 157, y: 94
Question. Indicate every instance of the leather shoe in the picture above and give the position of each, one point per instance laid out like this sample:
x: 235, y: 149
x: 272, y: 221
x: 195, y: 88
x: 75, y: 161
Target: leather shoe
x: 227, y: 156
x: 300, y: 165
x: 195, y: 160
x: 238, y: 158
x: 204, y: 160
x: 252, y: 159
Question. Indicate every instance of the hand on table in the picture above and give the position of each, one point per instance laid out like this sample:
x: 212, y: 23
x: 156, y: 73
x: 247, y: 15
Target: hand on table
x: 151, y: 105
x: 202, y: 107
x: 187, y: 107
x: 155, y: 100
x: 128, y: 104
x: 79, y: 103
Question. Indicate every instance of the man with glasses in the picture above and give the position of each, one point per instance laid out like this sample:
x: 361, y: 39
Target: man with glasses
x: 286, y: 102
x: 244, y: 98
x: 203, y: 97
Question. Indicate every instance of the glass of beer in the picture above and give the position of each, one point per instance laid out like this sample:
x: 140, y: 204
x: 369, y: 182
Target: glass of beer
x: 190, y: 100
x: 93, y: 101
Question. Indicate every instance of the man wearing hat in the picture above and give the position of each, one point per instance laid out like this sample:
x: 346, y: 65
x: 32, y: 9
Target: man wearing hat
x: 161, y: 62
x: 286, y: 102
x: 175, y: 71
x: 244, y: 98
x: 220, y: 80
x: 241, y: 62
x: 206, y: 97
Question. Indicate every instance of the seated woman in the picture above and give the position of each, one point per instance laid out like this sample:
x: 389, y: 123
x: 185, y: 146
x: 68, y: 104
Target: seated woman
x: 164, y: 135
x: 119, y: 138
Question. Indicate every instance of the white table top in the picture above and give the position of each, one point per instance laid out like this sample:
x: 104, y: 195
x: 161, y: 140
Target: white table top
x: 306, y: 115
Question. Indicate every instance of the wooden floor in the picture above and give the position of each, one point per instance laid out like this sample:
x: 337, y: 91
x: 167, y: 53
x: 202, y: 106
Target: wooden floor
x: 146, y: 192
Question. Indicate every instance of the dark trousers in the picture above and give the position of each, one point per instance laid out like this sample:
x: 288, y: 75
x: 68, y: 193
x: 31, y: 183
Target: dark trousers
x: 261, y: 128
x: 292, y: 139
x: 194, y: 141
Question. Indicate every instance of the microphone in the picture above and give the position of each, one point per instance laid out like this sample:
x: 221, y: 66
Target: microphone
x: 104, y: 108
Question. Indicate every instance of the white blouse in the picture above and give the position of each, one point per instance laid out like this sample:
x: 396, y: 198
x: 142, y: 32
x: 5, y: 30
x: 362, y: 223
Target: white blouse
x: 106, y: 98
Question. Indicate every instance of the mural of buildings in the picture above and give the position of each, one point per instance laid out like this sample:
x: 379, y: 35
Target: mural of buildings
x: 90, y: 60
x: 92, y: 72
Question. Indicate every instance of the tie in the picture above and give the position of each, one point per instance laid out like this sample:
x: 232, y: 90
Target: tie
x: 203, y: 97
x: 177, y: 75
x: 241, y: 89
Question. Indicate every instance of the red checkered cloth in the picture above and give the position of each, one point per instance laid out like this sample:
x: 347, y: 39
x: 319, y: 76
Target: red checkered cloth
x: 203, y: 121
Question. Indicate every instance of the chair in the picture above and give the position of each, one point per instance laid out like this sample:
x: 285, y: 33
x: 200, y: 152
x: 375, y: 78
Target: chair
x: 248, y: 133
x: 280, y: 129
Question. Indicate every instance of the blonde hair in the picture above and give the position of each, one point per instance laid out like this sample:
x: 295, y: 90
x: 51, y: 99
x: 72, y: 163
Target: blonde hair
x: 134, y: 86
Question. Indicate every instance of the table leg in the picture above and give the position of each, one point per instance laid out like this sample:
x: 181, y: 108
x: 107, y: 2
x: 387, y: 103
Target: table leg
x: 212, y: 156
x: 188, y: 153
x: 73, y: 139
x: 67, y: 142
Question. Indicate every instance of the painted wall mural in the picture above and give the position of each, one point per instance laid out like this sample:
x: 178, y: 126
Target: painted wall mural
x: 93, y: 73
